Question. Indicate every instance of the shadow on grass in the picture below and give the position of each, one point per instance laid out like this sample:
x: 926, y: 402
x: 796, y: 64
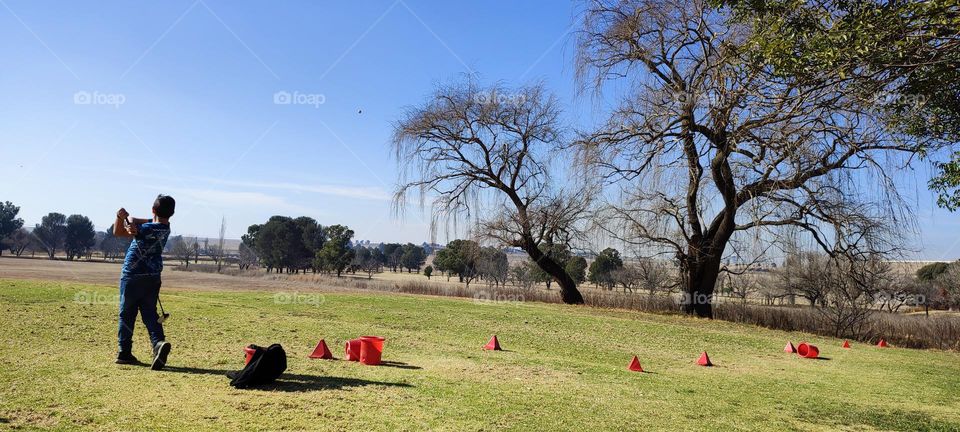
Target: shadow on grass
x: 881, y: 418
x: 399, y: 365
x: 296, y: 382
x: 303, y: 383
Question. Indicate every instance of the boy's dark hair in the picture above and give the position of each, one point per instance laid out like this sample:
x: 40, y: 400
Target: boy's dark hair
x: 164, y: 205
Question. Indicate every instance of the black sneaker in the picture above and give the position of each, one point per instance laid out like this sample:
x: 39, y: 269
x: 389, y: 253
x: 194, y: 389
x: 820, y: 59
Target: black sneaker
x: 160, y: 352
x: 126, y: 358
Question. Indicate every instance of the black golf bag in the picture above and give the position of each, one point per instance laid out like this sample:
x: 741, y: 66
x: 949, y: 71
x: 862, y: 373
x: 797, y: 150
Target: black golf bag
x: 266, y: 365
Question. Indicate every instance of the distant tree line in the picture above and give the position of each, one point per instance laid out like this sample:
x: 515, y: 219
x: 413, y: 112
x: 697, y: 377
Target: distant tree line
x: 467, y: 260
x: 293, y: 245
x: 74, y: 235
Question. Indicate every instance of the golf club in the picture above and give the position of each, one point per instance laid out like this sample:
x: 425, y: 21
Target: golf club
x: 163, y: 314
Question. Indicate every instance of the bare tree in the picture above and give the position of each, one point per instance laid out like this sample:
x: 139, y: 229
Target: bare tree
x: 740, y: 286
x: 656, y: 276
x: 903, y: 291
x: 854, y: 282
x: 949, y: 282
x: 182, y: 250
x: 365, y: 261
x: 493, y: 266
x: 709, y: 144
x: 801, y: 275
x: 482, y: 153
x: 248, y: 257
x: 216, y: 252
x: 19, y: 241
x: 370, y: 265
x: 627, y: 277
x: 522, y: 275
x: 196, y: 250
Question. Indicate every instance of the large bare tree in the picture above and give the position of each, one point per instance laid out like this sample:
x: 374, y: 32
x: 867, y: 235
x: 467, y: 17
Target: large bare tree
x: 708, y: 145
x: 482, y: 153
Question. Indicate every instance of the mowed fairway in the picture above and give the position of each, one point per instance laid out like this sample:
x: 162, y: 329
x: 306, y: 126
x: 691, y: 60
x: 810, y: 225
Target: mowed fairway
x: 564, y: 368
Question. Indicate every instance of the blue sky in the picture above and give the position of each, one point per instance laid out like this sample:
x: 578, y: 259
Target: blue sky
x: 106, y: 104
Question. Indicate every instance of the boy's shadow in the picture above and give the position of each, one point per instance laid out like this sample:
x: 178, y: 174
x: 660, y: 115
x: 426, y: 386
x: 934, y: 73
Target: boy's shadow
x: 294, y: 382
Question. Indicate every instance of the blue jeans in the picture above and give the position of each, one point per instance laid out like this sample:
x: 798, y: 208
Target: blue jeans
x: 139, y: 294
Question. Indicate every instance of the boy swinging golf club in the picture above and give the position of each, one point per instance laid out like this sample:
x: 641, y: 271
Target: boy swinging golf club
x: 140, y: 279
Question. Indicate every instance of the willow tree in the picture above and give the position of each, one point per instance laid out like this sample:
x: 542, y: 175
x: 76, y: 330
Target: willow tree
x: 482, y: 153
x: 709, y: 145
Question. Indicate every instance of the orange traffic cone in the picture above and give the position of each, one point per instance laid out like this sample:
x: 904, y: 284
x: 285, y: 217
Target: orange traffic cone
x: 635, y: 365
x: 321, y: 351
x: 846, y: 344
x: 882, y: 344
x: 790, y: 348
x: 493, y: 345
x: 704, y: 360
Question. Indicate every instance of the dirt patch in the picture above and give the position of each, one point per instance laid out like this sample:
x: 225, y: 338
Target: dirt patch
x: 109, y: 274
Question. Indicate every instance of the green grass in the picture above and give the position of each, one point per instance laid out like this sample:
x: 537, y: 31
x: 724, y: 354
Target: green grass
x: 565, y: 369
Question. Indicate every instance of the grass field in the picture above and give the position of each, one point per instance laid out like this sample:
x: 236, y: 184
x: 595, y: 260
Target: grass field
x: 564, y: 368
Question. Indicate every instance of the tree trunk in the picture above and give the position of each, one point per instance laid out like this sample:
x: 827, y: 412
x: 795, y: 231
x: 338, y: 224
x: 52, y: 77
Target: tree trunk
x: 568, y: 288
x: 701, y: 279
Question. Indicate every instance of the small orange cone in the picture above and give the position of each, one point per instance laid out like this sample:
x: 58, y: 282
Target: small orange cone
x: 846, y: 344
x: 635, y: 365
x: 882, y: 344
x: 493, y: 345
x: 704, y: 360
x: 790, y: 348
x: 321, y: 351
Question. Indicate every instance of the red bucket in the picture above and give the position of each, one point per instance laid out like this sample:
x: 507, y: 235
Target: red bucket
x: 808, y: 351
x: 249, y: 352
x: 352, y: 350
x: 371, y: 348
